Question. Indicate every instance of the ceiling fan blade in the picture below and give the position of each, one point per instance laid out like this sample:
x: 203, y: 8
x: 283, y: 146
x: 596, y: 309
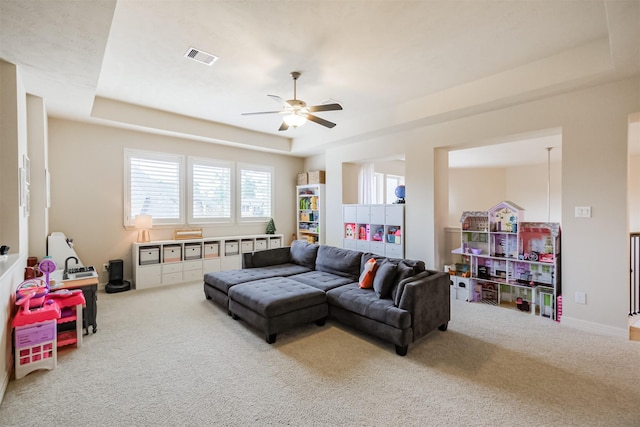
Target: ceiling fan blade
x: 262, y: 112
x: 284, y: 126
x: 320, y: 121
x: 325, y: 107
x: 279, y: 100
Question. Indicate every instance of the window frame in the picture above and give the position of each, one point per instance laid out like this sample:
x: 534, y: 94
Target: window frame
x: 203, y: 161
x: 240, y: 167
x: 129, y: 154
x: 185, y: 189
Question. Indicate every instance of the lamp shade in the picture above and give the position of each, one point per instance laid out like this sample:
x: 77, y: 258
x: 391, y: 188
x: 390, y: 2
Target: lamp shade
x: 144, y: 222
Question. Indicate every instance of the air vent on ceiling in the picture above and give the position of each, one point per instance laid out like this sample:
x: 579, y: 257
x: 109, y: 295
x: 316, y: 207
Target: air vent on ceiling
x: 200, y: 56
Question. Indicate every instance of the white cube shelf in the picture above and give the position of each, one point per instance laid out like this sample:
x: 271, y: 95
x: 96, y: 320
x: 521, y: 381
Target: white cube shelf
x: 183, y: 261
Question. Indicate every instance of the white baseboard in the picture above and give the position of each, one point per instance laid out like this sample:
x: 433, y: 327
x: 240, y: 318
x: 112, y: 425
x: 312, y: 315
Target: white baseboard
x: 596, y: 328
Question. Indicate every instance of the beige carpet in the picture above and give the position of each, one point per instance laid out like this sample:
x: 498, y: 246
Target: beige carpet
x: 169, y: 357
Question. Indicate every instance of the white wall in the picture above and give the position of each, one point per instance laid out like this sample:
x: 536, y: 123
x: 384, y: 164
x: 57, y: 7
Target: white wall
x: 527, y: 187
x: 86, y: 163
x: 475, y: 189
x: 478, y: 189
x: 13, y: 223
x: 350, y: 178
x: 314, y: 163
x: 38, y: 155
x: 391, y: 167
x: 594, y: 123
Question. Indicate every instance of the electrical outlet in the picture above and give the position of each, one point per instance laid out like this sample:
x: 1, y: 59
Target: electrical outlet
x: 581, y: 298
x: 582, y: 212
x: 105, y: 267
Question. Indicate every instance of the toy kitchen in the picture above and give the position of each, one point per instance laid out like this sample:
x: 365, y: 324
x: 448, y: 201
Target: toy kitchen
x: 71, y: 273
x: 68, y: 265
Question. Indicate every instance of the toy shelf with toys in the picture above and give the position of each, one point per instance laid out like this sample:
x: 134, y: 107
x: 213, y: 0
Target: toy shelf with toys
x: 310, y: 213
x: 374, y: 228
x: 511, y: 262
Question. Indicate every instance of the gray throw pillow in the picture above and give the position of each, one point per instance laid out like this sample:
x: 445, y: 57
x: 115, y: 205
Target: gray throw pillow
x: 418, y: 266
x: 384, y: 279
x: 404, y: 272
x: 304, y: 253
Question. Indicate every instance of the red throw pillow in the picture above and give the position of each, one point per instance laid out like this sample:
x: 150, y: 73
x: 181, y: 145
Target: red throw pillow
x: 369, y: 271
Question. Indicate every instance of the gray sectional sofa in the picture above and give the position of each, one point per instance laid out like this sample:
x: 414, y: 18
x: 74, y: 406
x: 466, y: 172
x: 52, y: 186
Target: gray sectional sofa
x: 278, y: 288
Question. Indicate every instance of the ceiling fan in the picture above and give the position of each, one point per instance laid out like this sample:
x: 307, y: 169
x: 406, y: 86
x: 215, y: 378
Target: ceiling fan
x: 296, y: 113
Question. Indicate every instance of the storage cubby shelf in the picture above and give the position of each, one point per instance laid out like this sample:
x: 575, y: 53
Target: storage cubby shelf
x: 167, y: 262
x: 378, y: 229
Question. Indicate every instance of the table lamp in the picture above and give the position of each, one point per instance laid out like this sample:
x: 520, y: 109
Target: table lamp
x: 143, y: 223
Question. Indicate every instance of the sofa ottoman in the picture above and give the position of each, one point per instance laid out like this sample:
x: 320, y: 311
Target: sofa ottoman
x: 275, y: 304
x: 217, y: 284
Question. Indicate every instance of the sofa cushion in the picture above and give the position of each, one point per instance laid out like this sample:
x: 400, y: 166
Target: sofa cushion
x: 304, y: 253
x: 276, y: 296
x: 343, y: 262
x: 384, y: 279
x: 366, y: 303
x: 321, y: 280
x: 223, y: 280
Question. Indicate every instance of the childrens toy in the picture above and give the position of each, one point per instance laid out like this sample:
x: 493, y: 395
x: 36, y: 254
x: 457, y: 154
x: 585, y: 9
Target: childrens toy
x: 398, y: 236
x: 363, y: 232
x: 47, y: 266
x: 34, y: 330
x: 34, y: 291
x: 349, y: 231
x: 23, y: 303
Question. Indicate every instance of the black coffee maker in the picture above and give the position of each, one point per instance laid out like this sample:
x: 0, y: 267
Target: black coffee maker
x: 116, y: 282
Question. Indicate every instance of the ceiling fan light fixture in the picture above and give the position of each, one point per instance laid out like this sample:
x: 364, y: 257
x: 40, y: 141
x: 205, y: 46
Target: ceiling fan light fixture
x: 296, y: 112
x: 294, y: 120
